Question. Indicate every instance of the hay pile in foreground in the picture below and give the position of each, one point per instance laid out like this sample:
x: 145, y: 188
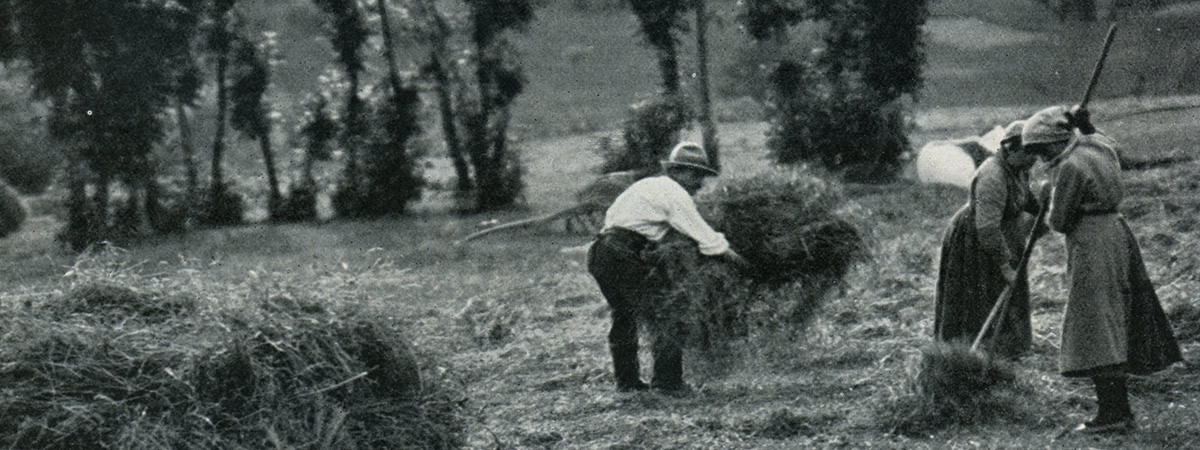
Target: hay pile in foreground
x: 109, y: 367
x: 791, y: 226
x: 953, y: 386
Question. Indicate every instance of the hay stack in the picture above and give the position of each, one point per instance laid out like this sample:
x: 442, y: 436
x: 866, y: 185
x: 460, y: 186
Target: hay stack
x: 243, y: 377
x: 787, y: 225
x: 12, y: 211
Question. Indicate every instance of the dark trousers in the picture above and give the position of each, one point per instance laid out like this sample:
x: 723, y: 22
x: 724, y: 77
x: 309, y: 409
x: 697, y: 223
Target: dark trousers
x: 625, y: 280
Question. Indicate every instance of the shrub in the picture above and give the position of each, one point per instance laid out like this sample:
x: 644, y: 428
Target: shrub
x: 222, y: 206
x: 650, y: 132
x: 836, y: 124
x: 300, y: 205
x: 391, y: 170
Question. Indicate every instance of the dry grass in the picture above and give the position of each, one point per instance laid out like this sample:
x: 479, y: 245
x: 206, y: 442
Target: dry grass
x: 106, y: 366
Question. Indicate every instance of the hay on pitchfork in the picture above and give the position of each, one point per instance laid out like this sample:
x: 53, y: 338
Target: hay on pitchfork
x: 790, y: 226
x: 953, y: 386
x: 217, y: 378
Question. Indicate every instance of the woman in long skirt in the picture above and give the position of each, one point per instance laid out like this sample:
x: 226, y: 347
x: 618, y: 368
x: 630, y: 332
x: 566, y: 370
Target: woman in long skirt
x: 1114, y: 324
x: 981, y: 249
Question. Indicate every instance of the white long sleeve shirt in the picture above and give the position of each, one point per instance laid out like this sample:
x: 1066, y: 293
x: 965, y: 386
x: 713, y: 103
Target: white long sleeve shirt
x: 653, y: 206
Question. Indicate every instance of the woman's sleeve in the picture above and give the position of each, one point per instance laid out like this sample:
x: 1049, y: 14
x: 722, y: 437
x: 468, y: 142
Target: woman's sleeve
x: 1069, y: 188
x: 991, y: 197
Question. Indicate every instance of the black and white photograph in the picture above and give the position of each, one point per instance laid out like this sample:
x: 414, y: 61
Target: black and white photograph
x: 599, y: 224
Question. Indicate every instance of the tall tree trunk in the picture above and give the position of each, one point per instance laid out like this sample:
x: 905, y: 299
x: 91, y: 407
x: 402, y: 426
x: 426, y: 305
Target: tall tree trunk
x: 189, y: 155
x: 438, y: 35
x: 454, y: 145
x: 81, y: 223
x: 668, y: 63
x: 707, y: 126
x: 276, y: 200
x: 217, y: 185
x: 354, y: 128
x: 389, y: 46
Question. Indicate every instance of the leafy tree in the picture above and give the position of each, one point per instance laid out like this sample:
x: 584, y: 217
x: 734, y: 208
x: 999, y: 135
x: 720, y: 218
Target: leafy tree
x: 251, y: 113
x: 498, y: 82
x: 650, y: 131
x: 224, y: 206
x: 348, y: 32
x: 660, y: 22
x: 435, y: 30
x: 104, y: 65
x: 186, y: 87
x: 391, y: 176
x: 841, y: 108
x: 316, y: 129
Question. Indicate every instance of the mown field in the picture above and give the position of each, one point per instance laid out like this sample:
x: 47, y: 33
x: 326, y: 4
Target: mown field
x: 521, y: 326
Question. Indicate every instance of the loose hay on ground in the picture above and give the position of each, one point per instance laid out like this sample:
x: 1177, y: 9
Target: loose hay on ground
x: 235, y: 377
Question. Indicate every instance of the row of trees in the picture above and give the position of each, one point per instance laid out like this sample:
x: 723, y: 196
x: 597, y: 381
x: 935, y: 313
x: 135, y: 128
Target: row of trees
x: 840, y: 107
x: 120, y: 76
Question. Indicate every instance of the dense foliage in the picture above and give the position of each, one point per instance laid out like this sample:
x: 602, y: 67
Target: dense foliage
x: 649, y: 133
x: 841, y: 106
x: 107, y: 68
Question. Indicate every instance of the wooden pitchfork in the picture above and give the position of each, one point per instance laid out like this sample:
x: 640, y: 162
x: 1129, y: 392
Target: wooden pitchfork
x: 1001, y: 305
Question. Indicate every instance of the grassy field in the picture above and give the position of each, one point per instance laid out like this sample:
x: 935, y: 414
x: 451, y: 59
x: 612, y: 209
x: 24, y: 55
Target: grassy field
x: 523, y: 326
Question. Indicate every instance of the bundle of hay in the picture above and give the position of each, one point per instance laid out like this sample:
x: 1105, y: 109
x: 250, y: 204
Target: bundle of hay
x: 12, y: 211
x: 788, y: 225
x: 953, y: 386
x: 236, y: 377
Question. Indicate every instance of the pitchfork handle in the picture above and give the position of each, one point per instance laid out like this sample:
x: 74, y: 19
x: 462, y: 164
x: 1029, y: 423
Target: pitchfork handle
x: 1002, y: 301
x: 1108, y: 40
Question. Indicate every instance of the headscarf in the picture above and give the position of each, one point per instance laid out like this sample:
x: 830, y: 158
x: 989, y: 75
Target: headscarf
x: 1046, y: 126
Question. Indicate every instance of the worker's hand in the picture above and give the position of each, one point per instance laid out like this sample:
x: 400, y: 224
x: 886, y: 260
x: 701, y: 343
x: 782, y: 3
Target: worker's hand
x: 1043, y: 190
x: 737, y: 260
x: 1080, y: 118
x: 1041, y: 228
x: 1009, y: 273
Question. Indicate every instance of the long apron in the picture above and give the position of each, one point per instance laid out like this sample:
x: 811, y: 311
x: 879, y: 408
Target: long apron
x: 969, y: 282
x: 1113, y: 316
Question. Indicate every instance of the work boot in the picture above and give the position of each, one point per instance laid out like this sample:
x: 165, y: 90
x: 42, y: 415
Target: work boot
x: 1113, y: 414
x: 626, y: 369
x: 668, y: 368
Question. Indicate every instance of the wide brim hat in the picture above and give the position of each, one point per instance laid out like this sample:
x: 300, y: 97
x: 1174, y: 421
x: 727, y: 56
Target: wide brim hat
x: 1047, y: 126
x: 689, y: 155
